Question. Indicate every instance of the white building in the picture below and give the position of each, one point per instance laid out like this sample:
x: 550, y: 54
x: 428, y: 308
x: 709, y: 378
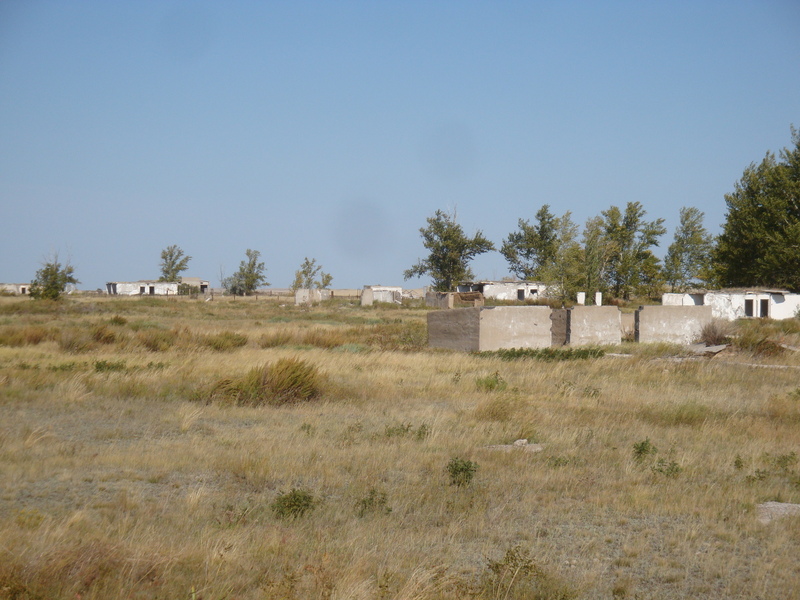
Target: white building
x: 389, y: 294
x: 145, y: 287
x: 18, y: 289
x: 738, y: 304
x: 506, y: 290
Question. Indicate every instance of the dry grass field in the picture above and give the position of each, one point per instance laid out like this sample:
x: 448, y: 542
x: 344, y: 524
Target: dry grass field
x: 135, y: 461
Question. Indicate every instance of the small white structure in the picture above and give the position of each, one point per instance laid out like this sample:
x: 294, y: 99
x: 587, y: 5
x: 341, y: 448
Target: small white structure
x: 738, y: 304
x: 505, y: 290
x: 18, y: 289
x: 309, y: 297
x: 381, y: 293
x: 145, y: 287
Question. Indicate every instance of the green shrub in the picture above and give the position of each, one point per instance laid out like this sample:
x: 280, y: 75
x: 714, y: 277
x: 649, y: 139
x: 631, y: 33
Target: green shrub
x: 643, y: 449
x: 118, y: 320
x: 461, y: 471
x: 294, y: 504
x: 373, y: 503
x: 104, y: 366
x: 545, y: 354
x: 491, y: 383
x: 716, y: 332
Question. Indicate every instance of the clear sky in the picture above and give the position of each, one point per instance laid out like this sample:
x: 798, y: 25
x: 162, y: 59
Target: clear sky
x: 334, y: 129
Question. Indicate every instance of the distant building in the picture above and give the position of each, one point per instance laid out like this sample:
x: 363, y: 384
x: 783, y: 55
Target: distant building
x: 151, y: 287
x: 505, y: 290
x: 18, y: 289
x: 740, y: 303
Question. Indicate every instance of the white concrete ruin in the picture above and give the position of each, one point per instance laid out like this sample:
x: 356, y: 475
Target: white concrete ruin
x: 738, y: 304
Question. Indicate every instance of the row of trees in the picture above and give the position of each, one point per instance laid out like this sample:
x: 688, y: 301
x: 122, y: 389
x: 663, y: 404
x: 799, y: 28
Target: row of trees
x: 759, y: 243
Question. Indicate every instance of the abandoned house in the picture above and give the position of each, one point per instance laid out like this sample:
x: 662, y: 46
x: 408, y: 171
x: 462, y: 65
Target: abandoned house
x: 145, y: 287
x: 740, y: 303
x: 505, y: 290
x: 18, y: 289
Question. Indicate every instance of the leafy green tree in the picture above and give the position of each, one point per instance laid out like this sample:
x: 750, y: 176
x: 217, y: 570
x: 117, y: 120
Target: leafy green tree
x: 450, y: 252
x: 533, y: 247
x: 688, y: 260
x: 760, y: 240
x: 52, y: 279
x: 249, y: 276
x: 564, y: 271
x: 310, y: 275
x: 629, y: 238
x: 173, y: 263
x: 596, y: 255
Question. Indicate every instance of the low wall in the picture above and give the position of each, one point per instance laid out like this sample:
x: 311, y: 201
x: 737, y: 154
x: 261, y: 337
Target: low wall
x: 673, y: 324
x: 514, y: 327
x: 593, y: 325
x: 455, y: 329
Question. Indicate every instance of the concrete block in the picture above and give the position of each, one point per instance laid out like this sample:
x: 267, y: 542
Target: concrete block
x: 673, y: 324
x: 593, y: 325
x: 490, y: 328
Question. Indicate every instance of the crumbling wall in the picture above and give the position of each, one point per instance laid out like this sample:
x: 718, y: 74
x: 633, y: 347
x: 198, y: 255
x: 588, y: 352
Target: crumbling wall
x: 673, y: 324
x: 593, y: 325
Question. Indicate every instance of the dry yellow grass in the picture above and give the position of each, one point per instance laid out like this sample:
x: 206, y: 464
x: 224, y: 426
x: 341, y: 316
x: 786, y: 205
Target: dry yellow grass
x: 119, y: 479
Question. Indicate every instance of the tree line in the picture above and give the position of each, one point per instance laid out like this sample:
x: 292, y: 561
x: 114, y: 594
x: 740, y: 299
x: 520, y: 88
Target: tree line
x: 759, y: 244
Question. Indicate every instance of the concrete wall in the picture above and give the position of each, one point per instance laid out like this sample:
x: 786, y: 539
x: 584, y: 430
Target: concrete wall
x: 558, y: 330
x: 455, y: 329
x: 19, y: 289
x: 305, y: 296
x: 514, y: 327
x: 593, y: 325
x: 380, y: 293
x: 674, y: 324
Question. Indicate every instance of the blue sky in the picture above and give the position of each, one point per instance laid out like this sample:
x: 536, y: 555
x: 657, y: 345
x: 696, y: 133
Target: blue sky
x: 334, y: 129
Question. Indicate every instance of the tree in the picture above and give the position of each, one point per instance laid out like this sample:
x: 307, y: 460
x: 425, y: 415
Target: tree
x: 596, y: 255
x: 52, y: 279
x: 173, y: 263
x: 249, y: 276
x: 306, y: 276
x: 564, y: 272
x: 760, y: 240
x: 532, y: 248
x: 629, y: 239
x: 688, y: 260
x: 450, y: 252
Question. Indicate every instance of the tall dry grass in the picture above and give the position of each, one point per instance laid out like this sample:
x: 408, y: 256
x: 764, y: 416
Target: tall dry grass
x: 120, y: 479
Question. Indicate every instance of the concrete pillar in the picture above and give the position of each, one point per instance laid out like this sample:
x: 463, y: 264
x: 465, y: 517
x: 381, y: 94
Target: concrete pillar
x: 598, y: 298
x: 581, y: 298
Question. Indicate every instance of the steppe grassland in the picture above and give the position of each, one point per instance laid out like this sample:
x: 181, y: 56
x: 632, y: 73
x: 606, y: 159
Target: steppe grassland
x: 120, y: 478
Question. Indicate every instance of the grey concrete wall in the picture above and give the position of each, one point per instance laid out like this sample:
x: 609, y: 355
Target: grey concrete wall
x: 628, y: 325
x: 514, y: 327
x: 593, y: 325
x: 558, y: 329
x: 674, y: 324
x: 455, y: 329
x: 439, y: 299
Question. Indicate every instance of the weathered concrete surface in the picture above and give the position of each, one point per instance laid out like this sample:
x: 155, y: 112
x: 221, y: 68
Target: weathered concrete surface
x: 514, y: 327
x: 519, y: 445
x: 304, y: 296
x: 628, y: 324
x: 455, y: 329
x: 673, y: 324
x: 558, y: 329
x: 490, y: 328
x: 593, y: 325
